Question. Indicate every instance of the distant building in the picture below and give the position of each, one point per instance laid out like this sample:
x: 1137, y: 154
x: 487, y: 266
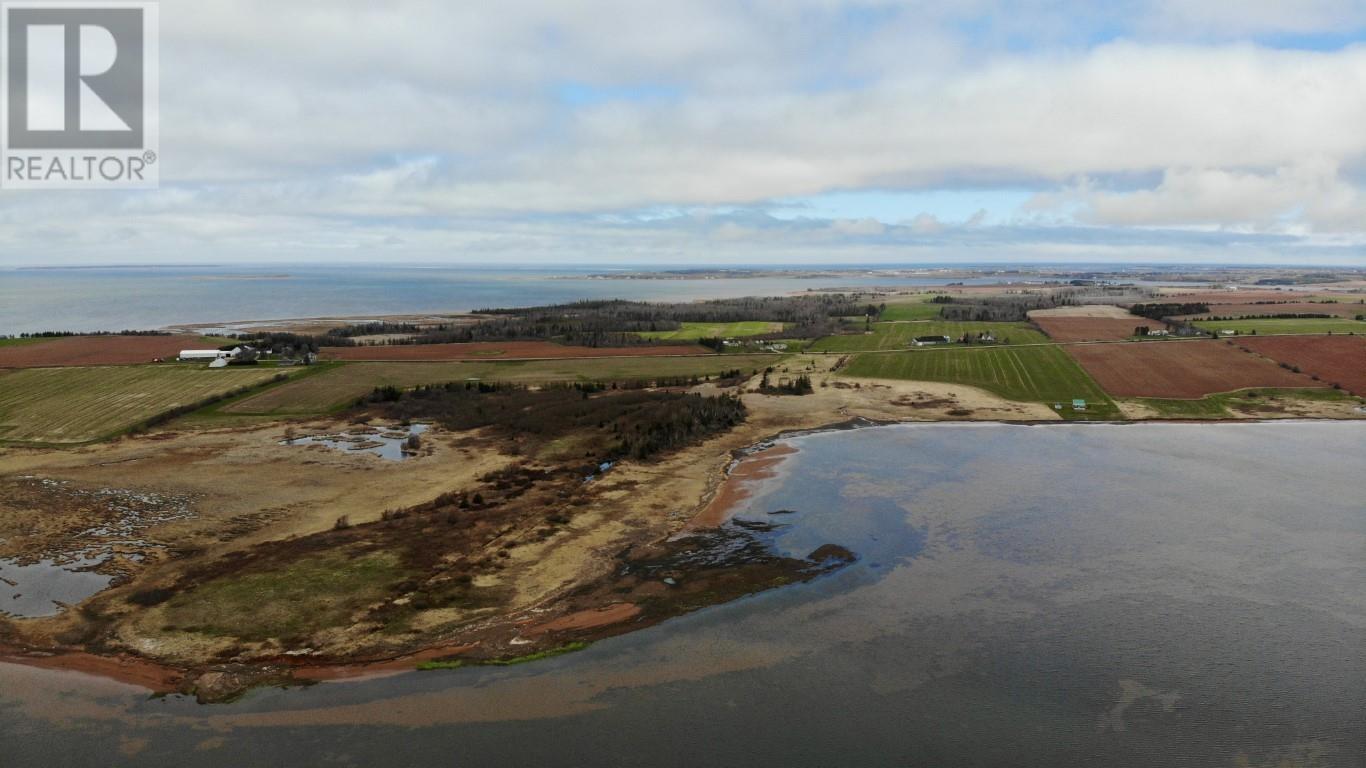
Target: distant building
x: 203, y: 354
x: 242, y: 354
x: 927, y: 341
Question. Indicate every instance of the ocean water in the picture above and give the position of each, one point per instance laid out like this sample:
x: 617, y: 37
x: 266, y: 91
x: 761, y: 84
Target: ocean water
x: 34, y: 300
x: 1073, y: 595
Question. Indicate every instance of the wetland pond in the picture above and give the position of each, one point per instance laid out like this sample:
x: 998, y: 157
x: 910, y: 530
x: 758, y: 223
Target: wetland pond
x: 1071, y: 595
x: 391, y: 443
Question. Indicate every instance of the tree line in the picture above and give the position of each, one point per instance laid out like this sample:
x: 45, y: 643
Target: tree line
x: 633, y: 424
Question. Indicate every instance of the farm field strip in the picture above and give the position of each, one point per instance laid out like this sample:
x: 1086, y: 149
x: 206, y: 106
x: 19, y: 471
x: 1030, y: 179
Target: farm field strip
x: 1065, y: 329
x: 479, y: 351
x: 326, y: 391
x: 1342, y: 309
x: 1032, y: 374
x: 1334, y: 359
x: 1182, y: 370
x: 79, y: 404
x: 1273, y: 326
x: 695, y: 331
x: 98, y: 350
x: 899, y: 335
x: 919, y: 310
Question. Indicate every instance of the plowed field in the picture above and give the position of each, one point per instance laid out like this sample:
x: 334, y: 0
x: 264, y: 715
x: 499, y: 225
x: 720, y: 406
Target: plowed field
x: 1180, y: 369
x: 1334, y: 359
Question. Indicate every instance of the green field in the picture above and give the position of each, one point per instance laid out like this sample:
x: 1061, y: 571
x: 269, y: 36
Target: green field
x: 310, y: 593
x: 1286, y: 325
x: 342, y: 385
x: 1031, y: 374
x: 695, y: 331
x: 17, y: 341
x: 918, y: 310
x: 898, y: 335
x: 74, y: 405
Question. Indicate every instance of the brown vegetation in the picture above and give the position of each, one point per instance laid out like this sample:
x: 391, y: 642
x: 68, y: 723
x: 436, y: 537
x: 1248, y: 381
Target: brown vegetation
x: 1180, y: 369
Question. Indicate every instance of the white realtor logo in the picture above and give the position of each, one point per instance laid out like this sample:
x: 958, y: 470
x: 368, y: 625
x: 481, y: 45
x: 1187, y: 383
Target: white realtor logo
x: 47, y: 78
x: 80, y: 95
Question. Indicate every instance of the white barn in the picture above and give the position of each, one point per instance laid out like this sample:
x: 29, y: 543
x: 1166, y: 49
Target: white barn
x: 203, y: 354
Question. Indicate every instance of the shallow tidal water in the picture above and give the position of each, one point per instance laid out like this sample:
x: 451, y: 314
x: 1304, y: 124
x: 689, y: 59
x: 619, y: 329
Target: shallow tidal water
x: 1071, y: 595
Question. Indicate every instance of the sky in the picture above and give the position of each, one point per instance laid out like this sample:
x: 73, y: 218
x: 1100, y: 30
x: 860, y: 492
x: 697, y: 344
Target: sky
x: 738, y: 132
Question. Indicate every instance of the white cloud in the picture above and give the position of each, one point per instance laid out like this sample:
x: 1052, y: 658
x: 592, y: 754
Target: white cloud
x: 295, y: 123
x: 1308, y: 195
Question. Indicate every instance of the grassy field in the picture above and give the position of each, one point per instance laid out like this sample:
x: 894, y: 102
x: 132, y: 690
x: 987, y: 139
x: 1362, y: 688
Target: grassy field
x: 74, y: 405
x: 898, y: 335
x: 339, y: 387
x: 917, y: 310
x: 1286, y: 325
x: 1032, y: 374
x: 15, y: 342
x: 694, y: 331
x: 1218, y: 406
x: 312, y: 593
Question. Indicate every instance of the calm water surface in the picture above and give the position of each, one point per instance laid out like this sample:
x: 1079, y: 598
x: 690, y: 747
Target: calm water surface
x: 137, y: 298
x: 1143, y: 595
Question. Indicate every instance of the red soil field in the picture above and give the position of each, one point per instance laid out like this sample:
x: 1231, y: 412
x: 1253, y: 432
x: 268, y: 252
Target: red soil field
x: 1340, y: 309
x: 1181, y: 369
x: 488, y: 350
x: 1247, y: 297
x: 97, y: 350
x: 1334, y: 359
x: 1092, y: 328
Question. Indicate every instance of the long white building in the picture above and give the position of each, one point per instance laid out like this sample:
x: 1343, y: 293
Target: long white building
x: 203, y: 354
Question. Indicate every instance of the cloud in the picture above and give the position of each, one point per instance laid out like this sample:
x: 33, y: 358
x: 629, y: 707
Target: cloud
x: 865, y: 226
x: 438, y: 128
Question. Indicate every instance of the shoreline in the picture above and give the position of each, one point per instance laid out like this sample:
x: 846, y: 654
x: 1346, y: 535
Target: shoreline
x: 726, y: 489
x: 751, y: 452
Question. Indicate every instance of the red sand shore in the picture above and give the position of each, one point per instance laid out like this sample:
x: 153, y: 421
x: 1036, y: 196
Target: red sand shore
x: 159, y: 678
x: 488, y: 350
x: 125, y: 669
x: 738, y: 486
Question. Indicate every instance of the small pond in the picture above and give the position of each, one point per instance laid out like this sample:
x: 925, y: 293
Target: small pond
x: 41, y: 588
x: 385, y: 442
